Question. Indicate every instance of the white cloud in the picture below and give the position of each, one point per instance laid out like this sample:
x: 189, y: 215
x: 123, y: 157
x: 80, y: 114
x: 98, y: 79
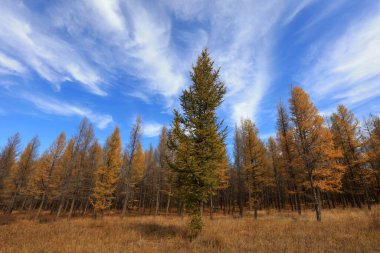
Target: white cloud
x: 301, y: 6
x: 151, y: 129
x: 348, y: 68
x: 111, y: 12
x: 132, y: 36
x: 10, y: 65
x: 241, y: 40
x: 51, y: 57
x: 52, y: 106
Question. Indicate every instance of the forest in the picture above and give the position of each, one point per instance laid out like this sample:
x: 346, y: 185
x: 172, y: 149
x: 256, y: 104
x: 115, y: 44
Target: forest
x: 313, y: 163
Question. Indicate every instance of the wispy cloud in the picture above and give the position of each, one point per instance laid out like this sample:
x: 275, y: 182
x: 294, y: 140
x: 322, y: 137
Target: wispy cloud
x: 300, y: 6
x: 53, y: 106
x: 151, y: 129
x: 51, y: 57
x: 347, y: 69
x: 9, y: 65
x: 134, y: 37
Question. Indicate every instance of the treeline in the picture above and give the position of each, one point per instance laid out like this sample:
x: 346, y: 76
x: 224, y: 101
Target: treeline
x: 311, y: 163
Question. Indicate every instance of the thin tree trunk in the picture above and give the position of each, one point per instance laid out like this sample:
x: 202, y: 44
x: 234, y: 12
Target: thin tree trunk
x: 157, y: 201
x: 40, y: 207
x: 317, y: 204
x: 211, y: 209
x: 71, y: 208
x: 168, y: 203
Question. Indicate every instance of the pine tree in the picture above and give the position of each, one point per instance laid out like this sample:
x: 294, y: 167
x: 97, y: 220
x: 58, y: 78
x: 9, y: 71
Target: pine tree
x: 107, y: 174
x: 200, y: 138
x: 315, y: 147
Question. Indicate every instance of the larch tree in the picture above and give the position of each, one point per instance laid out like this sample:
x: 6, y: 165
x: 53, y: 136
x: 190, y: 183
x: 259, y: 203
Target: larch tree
x: 19, y: 179
x: 345, y: 130
x: 200, y: 138
x: 44, y: 183
x: 64, y: 175
x: 290, y: 162
x: 255, y: 165
x: 137, y: 165
x: 128, y: 160
x: 83, y: 142
x: 315, y: 147
x: 372, y: 145
x: 107, y: 174
x: 164, y: 182
x: 274, y: 153
x: 164, y: 157
x: 8, y: 161
x: 239, y: 167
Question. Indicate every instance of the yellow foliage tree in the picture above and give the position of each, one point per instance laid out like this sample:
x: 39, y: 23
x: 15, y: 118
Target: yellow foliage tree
x: 345, y: 130
x: 19, y: 180
x: 255, y: 164
x: 107, y: 173
x: 43, y: 182
x: 315, y: 147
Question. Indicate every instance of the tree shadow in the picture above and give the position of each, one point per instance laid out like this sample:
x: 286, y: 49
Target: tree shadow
x: 157, y: 230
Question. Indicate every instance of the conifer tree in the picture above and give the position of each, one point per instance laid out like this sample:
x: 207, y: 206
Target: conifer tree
x: 8, y: 161
x: 372, y: 145
x: 345, y: 130
x: 82, y: 144
x: 19, y: 179
x: 274, y: 153
x: 200, y: 138
x: 107, y: 174
x: 290, y: 162
x: 128, y: 170
x: 44, y: 182
x: 315, y: 147
x: 65, y: 174
x: 255, y: 165
x: 239, y: 167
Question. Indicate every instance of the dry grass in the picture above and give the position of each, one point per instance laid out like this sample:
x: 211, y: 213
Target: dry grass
x: 340, y: 231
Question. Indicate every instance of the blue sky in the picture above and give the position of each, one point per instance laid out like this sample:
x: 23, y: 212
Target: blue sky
x: 111, y: 60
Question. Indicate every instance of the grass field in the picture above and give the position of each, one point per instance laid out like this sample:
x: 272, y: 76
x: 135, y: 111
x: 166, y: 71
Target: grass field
x: 340, y: 231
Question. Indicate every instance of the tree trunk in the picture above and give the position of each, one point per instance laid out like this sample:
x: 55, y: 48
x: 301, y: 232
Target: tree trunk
x: 317, y: 204
x: 41, y: 204
x: 71, y: 208
x: 168, y: 203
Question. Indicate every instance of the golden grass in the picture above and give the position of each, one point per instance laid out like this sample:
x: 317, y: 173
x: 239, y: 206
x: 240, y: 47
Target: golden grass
x: 339, y: 231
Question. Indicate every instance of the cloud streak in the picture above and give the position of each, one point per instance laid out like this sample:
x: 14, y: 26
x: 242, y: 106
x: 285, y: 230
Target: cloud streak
x: 53, y: 106
x: 51, y: 57
x: 348, y: 67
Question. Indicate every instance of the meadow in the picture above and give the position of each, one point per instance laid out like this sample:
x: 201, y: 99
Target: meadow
x: 349, y: 230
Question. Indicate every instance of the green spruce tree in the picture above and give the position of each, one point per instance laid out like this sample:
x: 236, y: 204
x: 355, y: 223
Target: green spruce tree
x: 200, y: 139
